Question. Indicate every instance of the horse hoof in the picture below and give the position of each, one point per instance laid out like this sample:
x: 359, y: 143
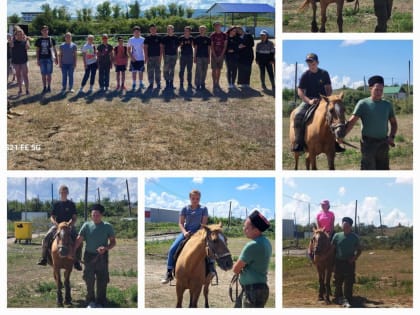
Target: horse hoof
x: 68, y: 303
x: 60, y: 304
x: 320, y: 299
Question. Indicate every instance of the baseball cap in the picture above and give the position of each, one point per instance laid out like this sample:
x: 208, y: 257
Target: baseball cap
x: 311, y: 57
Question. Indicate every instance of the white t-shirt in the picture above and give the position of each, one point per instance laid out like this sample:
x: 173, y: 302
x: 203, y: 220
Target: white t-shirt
x: 90, y: 52
x: 137, y: 45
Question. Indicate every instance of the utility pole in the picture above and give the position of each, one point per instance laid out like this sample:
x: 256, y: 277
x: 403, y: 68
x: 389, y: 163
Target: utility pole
x: 128, y: 196
x: 295, y: 83
x: 26, y: 196
x: 99, y: 195
x: 355, y: 217
x: 86, y: 198
x: 309, y: 215
x: 380, y: 222
x: 230, y: 209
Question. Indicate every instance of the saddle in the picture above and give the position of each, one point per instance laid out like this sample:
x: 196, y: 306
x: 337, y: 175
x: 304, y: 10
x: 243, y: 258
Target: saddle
x: 310, y: 113
x: 179, y: 249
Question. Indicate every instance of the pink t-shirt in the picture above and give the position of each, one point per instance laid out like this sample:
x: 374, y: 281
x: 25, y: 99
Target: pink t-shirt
x: 325, y: 220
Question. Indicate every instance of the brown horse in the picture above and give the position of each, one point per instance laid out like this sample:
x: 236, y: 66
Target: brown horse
x: 190, y: 269
x: 324, y: 5
x: 62, y: 257
x: 326, y: 125
x: 324, y: 261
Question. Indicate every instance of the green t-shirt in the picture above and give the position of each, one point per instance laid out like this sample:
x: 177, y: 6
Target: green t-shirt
x: 345, y: 245
x: 375, y: 116
x: 96, y: 235
x: 256, y: 255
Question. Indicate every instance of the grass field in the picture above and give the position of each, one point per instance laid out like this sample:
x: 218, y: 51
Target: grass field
x: 30, y: 285
x: 141, y: 130
x: 158, y: 295
x: 384, y: 278
x: 401, y: 156
x: 363, y: 21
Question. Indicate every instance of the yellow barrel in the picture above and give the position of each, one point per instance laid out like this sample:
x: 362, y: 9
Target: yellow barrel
x: 23, y: 231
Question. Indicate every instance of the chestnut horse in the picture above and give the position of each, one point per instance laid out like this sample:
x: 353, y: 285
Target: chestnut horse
x: 324, y: 253
x: 62, y: 257
x: 327, y: 125
x: 190, y: 269
x: 324, y: 5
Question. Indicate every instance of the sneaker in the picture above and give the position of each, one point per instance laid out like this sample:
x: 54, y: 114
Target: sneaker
x: 264, y: 87
x: 48, y: 89
x: 80, y: 90
x: 345, y: 303
x: 141, y: 86
x: 71, y: 90
x: 168, y: 278
x: 92, y: 305
x: 133, y: 87
x: 158, y: 86
x: 117, y: 88
x: 150, y: 86
x: 42, y: 262
x: 27, y: 92
x: 44, y: 90
x: 190, y: 86
x: 63, y: 91
x: 77, y: 266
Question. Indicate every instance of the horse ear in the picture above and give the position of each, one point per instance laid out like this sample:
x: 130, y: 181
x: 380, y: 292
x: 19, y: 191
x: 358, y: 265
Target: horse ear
x: 341, y: 95
x: 324, y: 97
x: 220, y: 224
x: 70, y: 222
x: 204, y: 226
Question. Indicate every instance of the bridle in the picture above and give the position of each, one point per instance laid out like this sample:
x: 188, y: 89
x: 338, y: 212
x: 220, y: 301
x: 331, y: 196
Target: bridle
x: 334, y: 125
x: 211, y: 249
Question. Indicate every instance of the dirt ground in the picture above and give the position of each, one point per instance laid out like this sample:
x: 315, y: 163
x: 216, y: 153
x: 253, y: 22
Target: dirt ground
x: 25, y: 277
x: 163, y: 296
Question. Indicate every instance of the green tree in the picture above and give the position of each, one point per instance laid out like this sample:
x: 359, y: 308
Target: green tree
x: 161, y: 11
x: 189, y: 11
x: 61, y: 13
x: 181, y: 10
x: 153, y: 12
x: 14, y: 19
x: 103, y: 11
x: 134, y: 10
x: 173, y: 9
x: 116, y: 11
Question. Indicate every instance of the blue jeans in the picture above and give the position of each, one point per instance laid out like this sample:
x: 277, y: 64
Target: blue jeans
x: 173, y: 249
x: 67, y: 71
x: 46, y: 66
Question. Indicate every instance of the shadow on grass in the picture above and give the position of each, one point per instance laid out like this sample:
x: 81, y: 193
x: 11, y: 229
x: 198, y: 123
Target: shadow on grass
x: 363, y: 302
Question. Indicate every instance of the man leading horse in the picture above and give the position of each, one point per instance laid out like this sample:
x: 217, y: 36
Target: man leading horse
x: 313, y: 83
x: 63, y: 211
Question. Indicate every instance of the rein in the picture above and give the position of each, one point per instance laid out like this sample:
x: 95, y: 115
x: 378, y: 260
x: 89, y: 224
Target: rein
x: 328, y: 117
x: 234, y: 283
x: 211, y: 248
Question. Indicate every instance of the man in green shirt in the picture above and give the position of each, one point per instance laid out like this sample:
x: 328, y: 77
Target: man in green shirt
x: 375, y: 114
x: 347, y: 250
x: 100, y: 238
x: 252, y: 265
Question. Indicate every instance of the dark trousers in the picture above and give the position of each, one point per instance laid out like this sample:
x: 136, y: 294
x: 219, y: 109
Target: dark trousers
x: 383, y: 10
x: 96, y: 270
x: 186, y: 62
x: 270, y: 71
x: 344, y: 273
x: 253, y: 296
x: 244, y: 73
x: 232, y: 70
x: 201, y: 70
x: 90, y: 71
x: 375, y: 154
x: 104, y: 77
x: 153, y: 69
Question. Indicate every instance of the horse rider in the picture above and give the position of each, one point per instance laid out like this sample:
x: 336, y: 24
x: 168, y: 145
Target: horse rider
x: 100, y: 239
x: 347, y: 250
x: 63, y: 210
x: 191, y: 218
x: 375, y: 114
x: 313, y: 83
x: 383, y: 9
x: 252, y: 264
x: 324, y: 220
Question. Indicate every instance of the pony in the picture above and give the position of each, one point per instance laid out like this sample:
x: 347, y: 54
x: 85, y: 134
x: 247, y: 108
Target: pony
x: 324, y: 5
x: 324, y: 252
x: 190, y: 268
x: 327, y: 124
x: 62, y: 257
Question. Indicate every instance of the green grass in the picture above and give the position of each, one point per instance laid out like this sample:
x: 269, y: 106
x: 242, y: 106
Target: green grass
x: 45, y: 287
x: 124, y: 273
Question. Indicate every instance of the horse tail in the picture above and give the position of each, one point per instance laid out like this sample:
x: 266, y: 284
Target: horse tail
x: 304, y: 5
x: 356, y: 7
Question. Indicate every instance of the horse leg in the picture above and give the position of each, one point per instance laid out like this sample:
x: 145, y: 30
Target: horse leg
x: 179, y: 295
x: 330, y: 159
x: 340, y: 5
x: 67, y: 298
x: 321, y: 285
x: 59, y: 284
x: 311, y: 161
x: 323, y: 15
x: 296, y: 160
x: 314, y: 26
x: 206, y: 295
x: 195, y: 292
x: 328, y: 285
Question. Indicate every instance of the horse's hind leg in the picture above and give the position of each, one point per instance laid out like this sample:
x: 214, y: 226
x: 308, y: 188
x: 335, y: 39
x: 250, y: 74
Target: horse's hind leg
x: 328, y: 286
x: 67, y: 298
x: 323, y: 16
x: 340, y: 5
x: 296, y: 161
x: 206, y: 295
x: 179, y: 295
x: 330, y: 159
x: 314, y: 26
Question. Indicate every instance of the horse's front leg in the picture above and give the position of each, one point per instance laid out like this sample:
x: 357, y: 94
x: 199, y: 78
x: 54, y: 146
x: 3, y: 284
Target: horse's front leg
x: 328, y: 286
x: 179, y: 295
x: 206, y: 294
x: 311, y: 161
x: 314, y: 26
x: 59, y: 284
x: 330, y: 159
x: 67, y: 299
x: 321, y: 291
x: 323, y: 16
x: 340, y: 5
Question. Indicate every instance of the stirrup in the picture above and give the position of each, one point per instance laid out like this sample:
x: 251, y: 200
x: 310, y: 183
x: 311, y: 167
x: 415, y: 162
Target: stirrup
x: 214, y: 276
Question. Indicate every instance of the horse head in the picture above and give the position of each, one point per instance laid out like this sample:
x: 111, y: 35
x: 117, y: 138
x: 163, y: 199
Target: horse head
x: 320, y: 241
x: 216, y: 243
x: 335, y: 115
x: 63, y: 237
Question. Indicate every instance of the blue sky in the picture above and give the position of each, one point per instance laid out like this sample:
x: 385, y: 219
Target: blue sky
x: 17, y: 6
x: 348, y: 61
x: 113, y: 188
x: 393, y: 196
x: 216, y: 194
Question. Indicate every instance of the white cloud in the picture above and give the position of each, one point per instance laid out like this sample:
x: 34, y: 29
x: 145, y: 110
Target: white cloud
x: 346, y: 43
x: 198, y: 180
x: 289, y: 181
x: 404, y: 180
x: 395, y: 217
x: 247, y: 186
x: 342, y: 191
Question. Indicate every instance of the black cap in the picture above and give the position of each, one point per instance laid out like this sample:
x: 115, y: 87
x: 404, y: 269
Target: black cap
x: 98, y: 207
x: 312, y: 57
x: 348, y: 220
x: 375, y: 79
x: 259, y: 221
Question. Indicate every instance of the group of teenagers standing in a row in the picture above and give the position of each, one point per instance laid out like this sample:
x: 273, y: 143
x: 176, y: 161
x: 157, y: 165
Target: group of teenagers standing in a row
x: 234, y: 47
